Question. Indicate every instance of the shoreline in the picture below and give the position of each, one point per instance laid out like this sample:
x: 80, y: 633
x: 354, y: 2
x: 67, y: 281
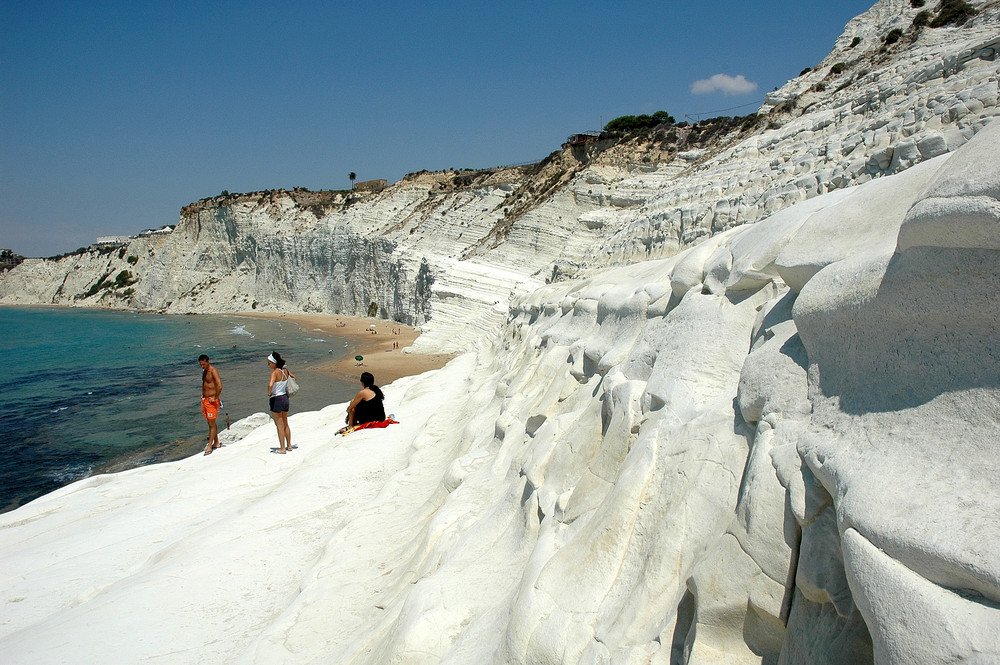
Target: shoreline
x: 383, y: 356
x: 380, y: 358
x: 383, y: 352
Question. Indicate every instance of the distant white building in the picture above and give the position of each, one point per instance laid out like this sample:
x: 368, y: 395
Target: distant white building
x: 111, y: 241
x: 119, y: 241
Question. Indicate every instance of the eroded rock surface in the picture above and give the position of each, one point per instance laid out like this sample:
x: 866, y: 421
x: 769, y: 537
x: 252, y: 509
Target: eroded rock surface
x: 779, y: 445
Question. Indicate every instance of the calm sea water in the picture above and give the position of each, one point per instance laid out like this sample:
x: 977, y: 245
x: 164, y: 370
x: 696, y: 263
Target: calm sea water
x: 88, y: 391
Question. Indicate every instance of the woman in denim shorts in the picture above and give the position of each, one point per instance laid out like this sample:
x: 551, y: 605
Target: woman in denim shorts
x: 278, y: 398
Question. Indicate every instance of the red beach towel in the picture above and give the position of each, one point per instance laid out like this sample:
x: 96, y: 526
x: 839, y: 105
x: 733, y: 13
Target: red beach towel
x: 377, y: 423
x: 371, y: 425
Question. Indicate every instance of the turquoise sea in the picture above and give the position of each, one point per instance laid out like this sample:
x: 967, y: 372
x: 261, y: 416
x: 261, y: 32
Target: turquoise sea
x: 91, y: 391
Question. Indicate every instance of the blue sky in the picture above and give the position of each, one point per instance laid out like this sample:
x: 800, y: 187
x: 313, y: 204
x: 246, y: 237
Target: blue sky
x: 114, y: 115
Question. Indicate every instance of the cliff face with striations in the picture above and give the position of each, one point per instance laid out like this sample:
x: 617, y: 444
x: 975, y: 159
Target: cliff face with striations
x: 450, y: 246
x: 779, y: 446
x: 776, y: 445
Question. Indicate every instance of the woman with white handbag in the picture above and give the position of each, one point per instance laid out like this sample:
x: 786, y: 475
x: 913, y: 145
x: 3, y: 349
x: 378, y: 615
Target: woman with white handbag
x: 280, y: 386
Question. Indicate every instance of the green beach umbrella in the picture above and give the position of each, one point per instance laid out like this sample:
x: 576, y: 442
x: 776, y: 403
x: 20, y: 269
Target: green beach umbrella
x: 359, y: 357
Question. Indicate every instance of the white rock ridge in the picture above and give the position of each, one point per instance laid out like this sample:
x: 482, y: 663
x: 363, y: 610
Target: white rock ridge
x: 780, y: 445
x: 637, y: 468
x: 447, y: 248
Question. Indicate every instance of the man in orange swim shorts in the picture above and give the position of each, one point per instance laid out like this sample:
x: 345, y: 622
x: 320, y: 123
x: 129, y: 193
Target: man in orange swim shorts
x: 211, y: 391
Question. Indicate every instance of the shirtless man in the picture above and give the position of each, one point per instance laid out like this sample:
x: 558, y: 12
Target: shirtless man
x: 211, y: 390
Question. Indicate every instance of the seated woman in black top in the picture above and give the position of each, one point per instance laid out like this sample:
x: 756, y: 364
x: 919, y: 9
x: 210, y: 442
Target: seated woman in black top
x: 366, y: 407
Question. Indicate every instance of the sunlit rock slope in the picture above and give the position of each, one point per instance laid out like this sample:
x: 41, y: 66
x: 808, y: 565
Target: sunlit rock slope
x: 780, y: 446
x: 449, y: 247
x: 777, y: 445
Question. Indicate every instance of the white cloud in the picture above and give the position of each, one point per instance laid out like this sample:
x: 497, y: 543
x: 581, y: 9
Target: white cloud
x: 724, y: 83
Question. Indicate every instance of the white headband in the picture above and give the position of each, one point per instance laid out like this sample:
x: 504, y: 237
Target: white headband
x: 271, y: 359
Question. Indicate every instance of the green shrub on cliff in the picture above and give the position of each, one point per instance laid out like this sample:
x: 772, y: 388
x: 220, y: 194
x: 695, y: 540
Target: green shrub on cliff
x: 627, y: 124
x: 98, y: 285
x: 922, y: 19
x: 75, y: 252
x: 123, y: 279
x: 893, y: 36
x: 953, y: 12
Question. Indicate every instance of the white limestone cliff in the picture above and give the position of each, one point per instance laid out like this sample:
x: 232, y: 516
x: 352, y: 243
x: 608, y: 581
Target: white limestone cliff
x: 449, y: 247
x: 779, y: 445
x: 680, y: 461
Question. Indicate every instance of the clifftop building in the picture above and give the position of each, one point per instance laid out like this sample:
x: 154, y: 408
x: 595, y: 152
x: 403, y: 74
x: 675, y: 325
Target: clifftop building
x: 371, y: 185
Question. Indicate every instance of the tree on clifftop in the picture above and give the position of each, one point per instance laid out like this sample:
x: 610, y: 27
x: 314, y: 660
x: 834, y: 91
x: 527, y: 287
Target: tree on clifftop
x: 632, y: 123
x: 352, y: 175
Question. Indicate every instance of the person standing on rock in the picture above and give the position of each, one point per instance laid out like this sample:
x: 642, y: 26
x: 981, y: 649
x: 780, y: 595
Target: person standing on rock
x: 277, y: 393
x: 211, y: 400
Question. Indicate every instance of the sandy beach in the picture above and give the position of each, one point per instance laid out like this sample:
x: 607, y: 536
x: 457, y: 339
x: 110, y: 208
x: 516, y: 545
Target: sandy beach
x: 382, y: 350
